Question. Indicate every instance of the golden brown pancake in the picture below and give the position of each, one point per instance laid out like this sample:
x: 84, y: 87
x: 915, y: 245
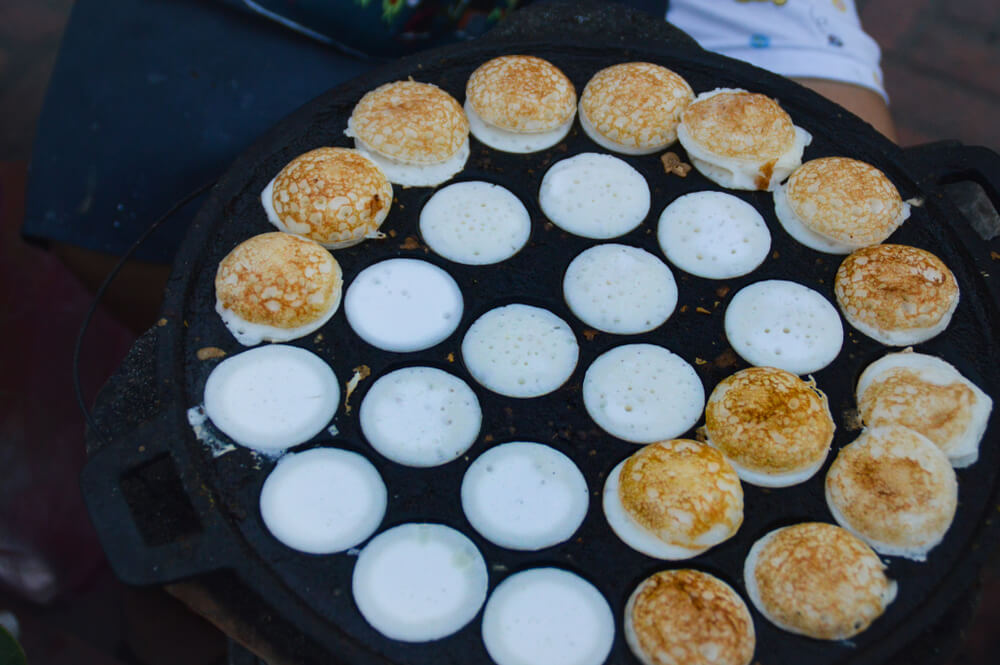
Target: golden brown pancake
x: 774, y: 427
x: 410, y: 122
x: 895, y: 294
x: 635, y: 106
x: 335, y: 196
x: 687, y: 617
x: 278, y: 280
x: 817, y: 580
x: 894, y: 489
x: 845, y: 200
x: 682, y: 491
x: 740, y: 139
x: 929, y: 396
x: 521, y: 93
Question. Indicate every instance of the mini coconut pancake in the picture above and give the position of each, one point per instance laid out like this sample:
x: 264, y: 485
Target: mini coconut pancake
x: 420, y: 416
x: 674, y: 499
x: 547, y: 616
x: 272, y: 398
x: 929, y: 396
x: 713, y: 235
x: 323, y: 500
x: 776, y: 323
x: 773, y: 427
x: 836, y: 205
x: 693, y: 616
x: 894, y: 489
x: 817, y: 580
x: 415, y: 132
x: 634, y: 108
x: 276, y: 287
x: 519, y: 103
x: 520, y: 351
x: 335, y: 196
x: 403, y: 305
x: 740, y: 139
x: 643, y: 393
x: 594, y: 196
x: 524, y: 496
x: 475, y: 223
x: 895, y: 294
x: 419, y: 582
x: 620, y: 289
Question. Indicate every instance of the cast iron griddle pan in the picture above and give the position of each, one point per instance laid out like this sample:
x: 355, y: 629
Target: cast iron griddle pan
x: 167, y: 509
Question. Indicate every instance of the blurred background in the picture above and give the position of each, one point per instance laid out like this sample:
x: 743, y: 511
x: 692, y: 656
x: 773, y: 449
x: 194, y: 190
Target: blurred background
x: 941, y: 61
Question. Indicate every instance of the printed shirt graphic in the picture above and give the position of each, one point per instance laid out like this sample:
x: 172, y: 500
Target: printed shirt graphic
x: 801, y: 38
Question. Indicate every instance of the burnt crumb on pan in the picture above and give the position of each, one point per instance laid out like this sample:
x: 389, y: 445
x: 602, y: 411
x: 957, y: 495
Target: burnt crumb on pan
x: 392, y: 233
x: 410, y: 243
x: 209, y: 352
x: 851, y: 419
x: 590, y: 334
x: 672, y: 164
x: 774, y: 254
x: 488, y: 438
x: 722, y: 291
x: 725, y: 359
x: 161, y: 322
x: 700, y: 361
x: 993, y: 255
x: 361, y: 372
x: 684, y: 308
x: 450, y: 357
x: 702, y: 310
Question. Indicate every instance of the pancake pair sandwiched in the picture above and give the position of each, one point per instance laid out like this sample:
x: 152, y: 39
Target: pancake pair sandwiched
x: 837, y: 205
x: 740, y: 139
x: 895, y: 294
x: 277, y: 287
x: 929, y: 396
x: 773, y: 427
x: 415, y: 132
x: 817, y: 580
x: 674, y: 499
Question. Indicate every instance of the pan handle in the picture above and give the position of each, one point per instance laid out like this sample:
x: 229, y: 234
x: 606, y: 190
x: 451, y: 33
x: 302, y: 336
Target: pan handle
x: 947, y: 162
x: 189, y: 540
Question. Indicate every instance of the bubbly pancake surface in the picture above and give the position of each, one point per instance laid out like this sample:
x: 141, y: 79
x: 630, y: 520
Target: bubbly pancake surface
x: 410, y: 122
x: 930, y: 396
x: 272, y: 398
x: 683, y: 492
x: 524, y: 496
x: 521, y: 93
x: 594, y: 196
x: 420, y: 416
x: 276, y: 287
x: 687, y: 617
x: 620, y: 289
x: 335, y: 196
x: 634, y: 107
x: 419, y: 582
x: 713, y: 235
x: 895, y: 294
x: 774, y: 428
x: 818, y: 580
x: 520, y: 351
x: 323, y: 500
x: 894, y: 489
x: 475, y: 223
x: 777, y: 323
x: 845, y: 200
x: 643, y: 393
x: 547, y: 616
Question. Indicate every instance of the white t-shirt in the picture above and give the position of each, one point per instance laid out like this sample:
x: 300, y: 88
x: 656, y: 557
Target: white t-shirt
x: 794, y: 38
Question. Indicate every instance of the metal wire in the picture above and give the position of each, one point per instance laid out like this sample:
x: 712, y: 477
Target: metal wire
x: 99, y: 294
